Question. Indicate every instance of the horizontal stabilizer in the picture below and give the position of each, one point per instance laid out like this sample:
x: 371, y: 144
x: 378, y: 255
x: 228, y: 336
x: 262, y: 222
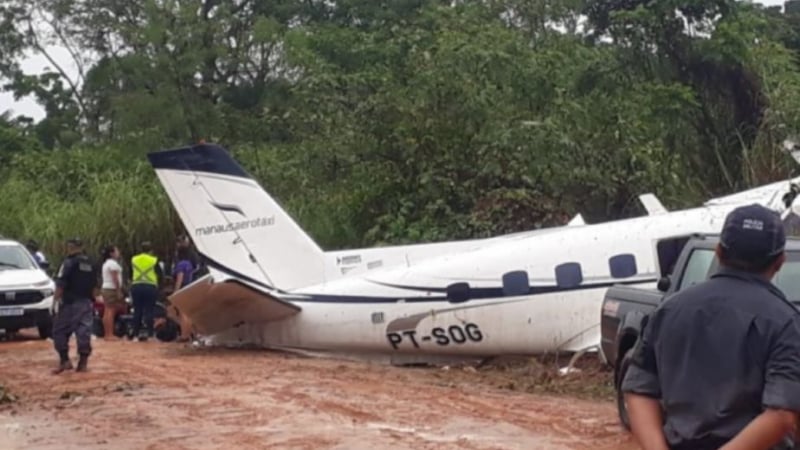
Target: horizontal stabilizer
x: 652, y: 204
x: 216, y: 307
x: 576, y: 221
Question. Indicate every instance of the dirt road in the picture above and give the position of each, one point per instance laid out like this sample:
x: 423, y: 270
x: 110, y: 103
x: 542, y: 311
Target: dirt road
x: 170, y: 396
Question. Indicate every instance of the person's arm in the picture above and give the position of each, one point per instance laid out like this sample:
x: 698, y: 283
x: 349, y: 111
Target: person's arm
x: 178, y: 281
x: 61, y: 279
x: 646, y: 421
x: 642, y: 390
x: 765, y: 431
x: 781, y: 396
x: 116, y: 278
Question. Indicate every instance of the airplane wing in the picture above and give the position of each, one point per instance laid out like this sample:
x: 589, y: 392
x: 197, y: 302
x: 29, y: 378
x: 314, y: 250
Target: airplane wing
x: 215, y: 303
x: 769, y: 195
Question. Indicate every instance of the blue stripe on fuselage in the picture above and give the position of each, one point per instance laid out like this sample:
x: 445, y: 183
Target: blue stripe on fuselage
x: 475, y: 293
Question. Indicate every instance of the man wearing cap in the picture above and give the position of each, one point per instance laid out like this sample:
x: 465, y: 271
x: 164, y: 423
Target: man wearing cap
x: 76, y: 286
x: 146, y: 277
x: 718, y: 365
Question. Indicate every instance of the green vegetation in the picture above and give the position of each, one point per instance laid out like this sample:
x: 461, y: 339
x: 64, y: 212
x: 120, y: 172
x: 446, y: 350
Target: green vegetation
x: 380, y: 122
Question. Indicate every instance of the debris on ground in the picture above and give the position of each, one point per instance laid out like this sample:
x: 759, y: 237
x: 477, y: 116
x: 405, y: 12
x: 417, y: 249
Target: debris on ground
x: 543, y: 375
x: 6, y: 397
x: 68, y: 395
x: 124, y: 386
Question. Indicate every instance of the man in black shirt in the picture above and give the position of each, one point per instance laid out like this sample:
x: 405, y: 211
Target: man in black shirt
x: 718, y: 365
x: 76, y: 286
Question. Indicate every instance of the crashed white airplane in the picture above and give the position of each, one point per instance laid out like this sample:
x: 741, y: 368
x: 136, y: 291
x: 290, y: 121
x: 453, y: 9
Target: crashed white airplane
x: 527, y: 293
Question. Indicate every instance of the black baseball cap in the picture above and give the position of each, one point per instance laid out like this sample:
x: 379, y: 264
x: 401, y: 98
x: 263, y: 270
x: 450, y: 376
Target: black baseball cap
x: 75, y: 241
x: 753, y: 233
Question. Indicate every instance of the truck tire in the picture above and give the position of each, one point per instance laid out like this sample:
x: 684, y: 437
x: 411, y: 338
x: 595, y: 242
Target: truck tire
x: 622, y: 409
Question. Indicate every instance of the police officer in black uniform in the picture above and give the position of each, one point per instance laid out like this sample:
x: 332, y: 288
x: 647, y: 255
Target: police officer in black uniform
x: 76, y: 286
x: 718, y: 366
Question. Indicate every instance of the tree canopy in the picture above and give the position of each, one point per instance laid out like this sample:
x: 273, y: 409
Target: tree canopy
x: 378, y: 122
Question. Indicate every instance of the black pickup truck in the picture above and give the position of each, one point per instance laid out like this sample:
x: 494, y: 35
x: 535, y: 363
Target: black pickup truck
x: 684, y: 261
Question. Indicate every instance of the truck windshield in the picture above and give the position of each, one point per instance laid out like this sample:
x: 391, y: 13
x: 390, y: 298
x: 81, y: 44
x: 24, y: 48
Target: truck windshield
x: 788, y: 279
x: 15, y: 257
x: 702, y: 263
x: 792, y: 224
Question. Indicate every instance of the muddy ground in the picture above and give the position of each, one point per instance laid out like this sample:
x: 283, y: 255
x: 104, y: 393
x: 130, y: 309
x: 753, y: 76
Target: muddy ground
x: 172, y: 396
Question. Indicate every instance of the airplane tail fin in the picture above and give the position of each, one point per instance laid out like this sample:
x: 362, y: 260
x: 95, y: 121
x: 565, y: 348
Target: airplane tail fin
x: 236, y: 225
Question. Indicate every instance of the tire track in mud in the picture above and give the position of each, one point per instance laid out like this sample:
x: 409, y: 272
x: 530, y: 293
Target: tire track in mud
x: 165, y: 396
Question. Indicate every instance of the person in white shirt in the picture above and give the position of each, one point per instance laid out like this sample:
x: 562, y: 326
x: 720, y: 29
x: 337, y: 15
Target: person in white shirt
x: 41, y: 260
x: 113, y: 298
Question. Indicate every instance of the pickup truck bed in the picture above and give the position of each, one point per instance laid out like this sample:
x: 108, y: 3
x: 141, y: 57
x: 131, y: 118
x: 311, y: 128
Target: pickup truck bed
x: 625, y: 308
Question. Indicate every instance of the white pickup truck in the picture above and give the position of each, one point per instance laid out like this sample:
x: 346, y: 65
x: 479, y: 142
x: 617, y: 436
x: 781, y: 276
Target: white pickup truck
x: 26, y: 291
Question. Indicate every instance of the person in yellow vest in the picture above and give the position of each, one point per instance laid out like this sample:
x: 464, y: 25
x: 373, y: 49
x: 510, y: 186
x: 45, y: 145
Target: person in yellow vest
x: 146, y: 277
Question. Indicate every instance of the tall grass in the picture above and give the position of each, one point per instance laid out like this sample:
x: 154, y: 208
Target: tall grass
x: 121, y: 204
x: 111, y: 196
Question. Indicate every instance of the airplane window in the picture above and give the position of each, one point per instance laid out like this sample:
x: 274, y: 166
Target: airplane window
x: 622, y: 266
x: 516, y: 283
x: 458, y: 292
x: 788, y: 278
x: 569, y: 275
x: 698, y: 267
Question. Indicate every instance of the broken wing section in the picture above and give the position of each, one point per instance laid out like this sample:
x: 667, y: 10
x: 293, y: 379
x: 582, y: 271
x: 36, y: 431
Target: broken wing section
x: 215, y: 303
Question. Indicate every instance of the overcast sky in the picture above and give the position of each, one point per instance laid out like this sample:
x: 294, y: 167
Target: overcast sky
x: 37, y: 64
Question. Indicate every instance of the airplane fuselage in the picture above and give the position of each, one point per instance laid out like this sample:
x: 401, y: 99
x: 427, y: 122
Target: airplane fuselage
x: 407, y: 309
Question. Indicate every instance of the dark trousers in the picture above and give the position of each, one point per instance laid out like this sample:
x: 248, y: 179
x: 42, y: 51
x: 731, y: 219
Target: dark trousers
x: 144, y: 298
x: 715, y: 443
x: 73, y: 317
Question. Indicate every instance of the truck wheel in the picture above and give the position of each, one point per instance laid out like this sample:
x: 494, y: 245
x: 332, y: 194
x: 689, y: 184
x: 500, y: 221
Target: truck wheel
x: 622, y: 408
x: 45, y: 329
